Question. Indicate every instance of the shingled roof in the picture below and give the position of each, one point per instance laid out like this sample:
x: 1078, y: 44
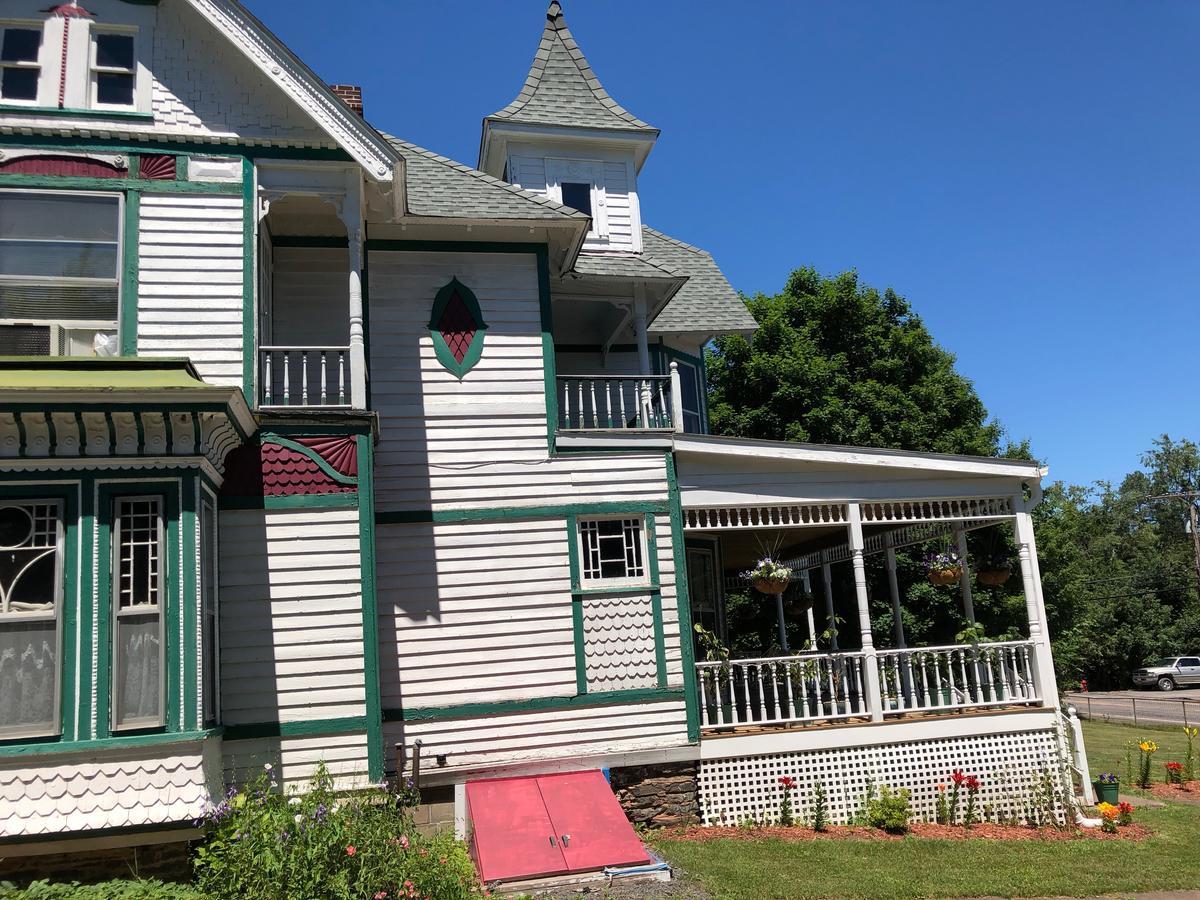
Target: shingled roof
x: 562, y: 89
x: 440, y: 187
x: 706, y: 302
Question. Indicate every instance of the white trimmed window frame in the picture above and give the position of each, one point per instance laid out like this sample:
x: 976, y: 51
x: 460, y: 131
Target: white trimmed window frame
x: 591, y: 555
x: 139, y: 611
x: 138, y: 71
x: 58, y: 327
x: 44, y: 69
x: 16, y: 617
x: 580, y: 171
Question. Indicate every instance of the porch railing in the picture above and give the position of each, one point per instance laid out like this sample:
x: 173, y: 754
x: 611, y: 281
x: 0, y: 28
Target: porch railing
x: 774, y: 691
x: 304, y: 377
x: 964, y: 676
x: 615, y: 403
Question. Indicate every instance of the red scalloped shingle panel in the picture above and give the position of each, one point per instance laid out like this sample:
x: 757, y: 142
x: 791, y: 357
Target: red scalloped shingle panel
x: 272, y: 470
x: 340, y: 452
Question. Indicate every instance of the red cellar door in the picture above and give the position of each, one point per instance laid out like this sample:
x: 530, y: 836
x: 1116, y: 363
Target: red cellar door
x: 589, y: 822
x: 512, y: 836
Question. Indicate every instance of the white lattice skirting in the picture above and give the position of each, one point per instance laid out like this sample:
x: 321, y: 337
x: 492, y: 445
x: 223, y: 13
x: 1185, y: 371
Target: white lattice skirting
x: 1012, y: 769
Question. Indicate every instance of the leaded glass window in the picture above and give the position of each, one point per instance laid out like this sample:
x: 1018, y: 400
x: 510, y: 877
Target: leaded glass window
x: 139, y: 595
x: 457, y: 328
x: 30, y: 600
x: 612, y: 550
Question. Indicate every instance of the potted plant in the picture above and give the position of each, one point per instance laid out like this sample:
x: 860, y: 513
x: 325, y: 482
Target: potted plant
x: 944, y: 568
x: 769, y: 576
x: 994, y: 569
x: 1107, y: 788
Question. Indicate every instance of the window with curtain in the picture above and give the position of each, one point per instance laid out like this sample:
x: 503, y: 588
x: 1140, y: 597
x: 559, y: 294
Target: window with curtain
x: 60, y: 265
x: 208, y: 610
x: 139, y: 597
x: 30, y: 600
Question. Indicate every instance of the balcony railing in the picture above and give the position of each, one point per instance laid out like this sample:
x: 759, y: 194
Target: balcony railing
x: 925, y: 679
x: 776, y: 691
x: 831, y: 687
x: 616, y: 403
x: 292, y: 377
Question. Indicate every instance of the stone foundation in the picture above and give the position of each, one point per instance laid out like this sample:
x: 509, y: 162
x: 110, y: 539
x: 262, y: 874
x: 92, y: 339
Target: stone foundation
x: 165, y: 861
x: 436, y: 812
x: 658, y: 795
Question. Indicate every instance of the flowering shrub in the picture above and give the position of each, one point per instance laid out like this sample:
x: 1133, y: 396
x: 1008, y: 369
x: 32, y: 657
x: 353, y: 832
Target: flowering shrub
x: 1109, y: 815
x: 265, y: 844
x: 786, y: 817
x: 971, y: 783
x: 1124, y: 813
x: 1174, y: 772
x: 1147, y: 749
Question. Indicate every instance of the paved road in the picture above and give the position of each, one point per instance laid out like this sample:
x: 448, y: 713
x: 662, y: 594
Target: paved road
x: 1180, y: 707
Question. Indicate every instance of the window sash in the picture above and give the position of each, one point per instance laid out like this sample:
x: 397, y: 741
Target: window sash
x: 13, y: 657
x: 138, y: 683
x: 601, y: 549
x: 96, y: 71
x: 26, y: 65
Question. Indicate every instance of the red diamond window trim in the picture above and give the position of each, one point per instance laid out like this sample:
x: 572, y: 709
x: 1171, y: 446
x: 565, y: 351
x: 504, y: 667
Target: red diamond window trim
x: 457, y: 326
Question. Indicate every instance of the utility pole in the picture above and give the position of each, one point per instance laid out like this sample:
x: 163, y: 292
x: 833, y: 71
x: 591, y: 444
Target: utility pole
x: 1193, y: 521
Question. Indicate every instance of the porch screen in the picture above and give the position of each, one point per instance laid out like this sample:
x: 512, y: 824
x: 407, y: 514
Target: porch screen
x: 30, y: 599
x: 60, y: 257
x: 138, y: 599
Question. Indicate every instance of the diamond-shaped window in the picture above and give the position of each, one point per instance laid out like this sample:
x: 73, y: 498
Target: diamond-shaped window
x: 457, y: 328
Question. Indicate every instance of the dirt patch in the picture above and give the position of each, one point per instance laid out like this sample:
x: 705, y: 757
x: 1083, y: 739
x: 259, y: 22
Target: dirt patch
x: 983, y: 831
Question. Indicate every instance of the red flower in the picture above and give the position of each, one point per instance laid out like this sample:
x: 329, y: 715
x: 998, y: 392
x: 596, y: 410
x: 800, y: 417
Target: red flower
x: 1125, y: 808
x: 941, y: 788
x: 350, y: 851
x: 972, y: 783
x: 1175, y: 766
x: 958, y: 777
x: 788, y: 782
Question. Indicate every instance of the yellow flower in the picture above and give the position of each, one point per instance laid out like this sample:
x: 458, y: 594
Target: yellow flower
x: 1148, y: 747
x: 1108, y: 811
x: 1191, y: 732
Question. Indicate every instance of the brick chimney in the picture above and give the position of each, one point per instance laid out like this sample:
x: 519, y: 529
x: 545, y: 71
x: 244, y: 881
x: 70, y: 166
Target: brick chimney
x: 350, y: 94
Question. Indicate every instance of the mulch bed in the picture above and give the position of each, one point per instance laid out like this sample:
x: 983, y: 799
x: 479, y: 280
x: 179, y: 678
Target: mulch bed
x: 1189, y: 792
x: 986, y: 831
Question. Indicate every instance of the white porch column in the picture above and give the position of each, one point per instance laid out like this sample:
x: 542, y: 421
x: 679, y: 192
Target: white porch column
x: 964, y: 581
x: 894, y: 590
x: 806, y: 584
x: 352, y: 217
x: 640, y: 326
x: 1043, y: 660
x: 870, y: 663
x: 827, y: 579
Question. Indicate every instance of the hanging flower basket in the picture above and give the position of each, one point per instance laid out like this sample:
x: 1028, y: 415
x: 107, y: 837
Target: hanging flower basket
x: 770, y: 586
x: 769, y: 577
x: 945, y: 576
x: 944, y: 568
x: 994, y: 576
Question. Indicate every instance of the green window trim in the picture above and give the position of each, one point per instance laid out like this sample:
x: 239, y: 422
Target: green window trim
x: 509, y: 707
x: 474, y: 351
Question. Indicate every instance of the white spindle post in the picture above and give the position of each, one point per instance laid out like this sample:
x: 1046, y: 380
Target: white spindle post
x: 342, y: 380
x: 806, y: 584
x: 287, y: 368
x: 857, y: 550
x: 1045, y: 682
x: 304, y: 378
x: 677, y: 400
x: 827, y: 578
x: 267, y: 388
x: 608, y: 404
x: 595, y: 407
x: 324, y: 377
x: 352, y: 217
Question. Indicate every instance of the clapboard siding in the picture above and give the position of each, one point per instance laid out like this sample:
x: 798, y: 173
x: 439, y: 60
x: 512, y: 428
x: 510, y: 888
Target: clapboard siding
x: 479, y: 443
x: 295, y: 760
x: 310, y: 297
x: 546, y: 734
x: 474, y: 613
x: 291, y: 616
x: 620, y: 196
x: 190, y: 283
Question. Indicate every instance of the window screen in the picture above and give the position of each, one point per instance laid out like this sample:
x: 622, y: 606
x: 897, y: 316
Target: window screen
x: 612, y: 549
x: 19, y: 69
x: 30, y: 598
x: 138, y: 599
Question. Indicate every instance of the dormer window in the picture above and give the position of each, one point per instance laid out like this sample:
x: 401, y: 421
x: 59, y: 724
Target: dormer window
x: 114, y: 69
x: 578, y: 196
x: 20, y: 68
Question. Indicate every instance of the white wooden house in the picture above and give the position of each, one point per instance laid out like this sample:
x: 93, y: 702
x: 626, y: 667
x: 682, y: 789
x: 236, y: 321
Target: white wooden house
x: 318, y: 446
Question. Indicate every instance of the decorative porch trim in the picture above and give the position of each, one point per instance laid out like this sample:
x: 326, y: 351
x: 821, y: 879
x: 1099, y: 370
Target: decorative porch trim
x: 724, y: 518
x: 504, y: 707
x: 954, y: 509
x: 878, y: 543
x: 216, y: 145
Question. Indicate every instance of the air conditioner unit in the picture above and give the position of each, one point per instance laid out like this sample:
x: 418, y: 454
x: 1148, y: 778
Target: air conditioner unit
x: 43, y: 339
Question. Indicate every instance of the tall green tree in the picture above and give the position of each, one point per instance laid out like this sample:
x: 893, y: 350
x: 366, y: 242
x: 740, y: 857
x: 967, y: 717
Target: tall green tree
x: 837, y: 362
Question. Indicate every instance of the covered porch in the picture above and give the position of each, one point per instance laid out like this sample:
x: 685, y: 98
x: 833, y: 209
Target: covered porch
x: 859, y: 635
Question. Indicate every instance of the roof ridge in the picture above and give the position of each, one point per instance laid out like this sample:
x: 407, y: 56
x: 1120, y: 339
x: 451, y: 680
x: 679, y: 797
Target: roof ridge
x: 676, y: 241
x: 556, y: 30
x: 485, y: 177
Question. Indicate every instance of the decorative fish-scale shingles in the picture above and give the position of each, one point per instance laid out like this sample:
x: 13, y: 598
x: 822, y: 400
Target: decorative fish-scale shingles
x: 618, y: 634
x: 76, y: 794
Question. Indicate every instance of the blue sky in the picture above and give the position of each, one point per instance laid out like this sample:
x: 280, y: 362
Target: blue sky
x: 1025, y: 174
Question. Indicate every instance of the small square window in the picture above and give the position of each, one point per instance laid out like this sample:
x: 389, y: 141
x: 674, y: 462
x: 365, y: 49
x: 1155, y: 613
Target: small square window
x: 577, y: 196
x: 19, y: 84
x: 612, y: 550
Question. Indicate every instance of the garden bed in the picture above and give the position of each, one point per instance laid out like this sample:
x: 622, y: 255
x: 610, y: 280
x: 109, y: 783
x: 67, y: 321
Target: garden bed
x: 986, y: 831
x: 1188, y: 792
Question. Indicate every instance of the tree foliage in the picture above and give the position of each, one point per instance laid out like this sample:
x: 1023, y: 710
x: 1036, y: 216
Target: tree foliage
x: 835, y: 362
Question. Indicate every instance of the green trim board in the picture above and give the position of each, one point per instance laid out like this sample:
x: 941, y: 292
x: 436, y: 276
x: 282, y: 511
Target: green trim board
x: 576, y: 605
x: 301, y: 501
x: 68, y: 113
x: 204, y: 148
x: 76, y: 183
x: 305, y: 728
x: 660, y: 641
x: 505, y: 707
x: 687, y: 656
x: 130, y: 274
x: 456, y: 367
x: 249, y: 282
x: 549, y: 360
x: 511, y: 513
x: 124, y: 742
x: 190, y: 715
x: 370, y: 605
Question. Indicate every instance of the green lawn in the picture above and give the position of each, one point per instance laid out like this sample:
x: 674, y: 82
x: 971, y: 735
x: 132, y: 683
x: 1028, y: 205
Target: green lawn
x: 1106, y: 745
x: 757, y: 870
